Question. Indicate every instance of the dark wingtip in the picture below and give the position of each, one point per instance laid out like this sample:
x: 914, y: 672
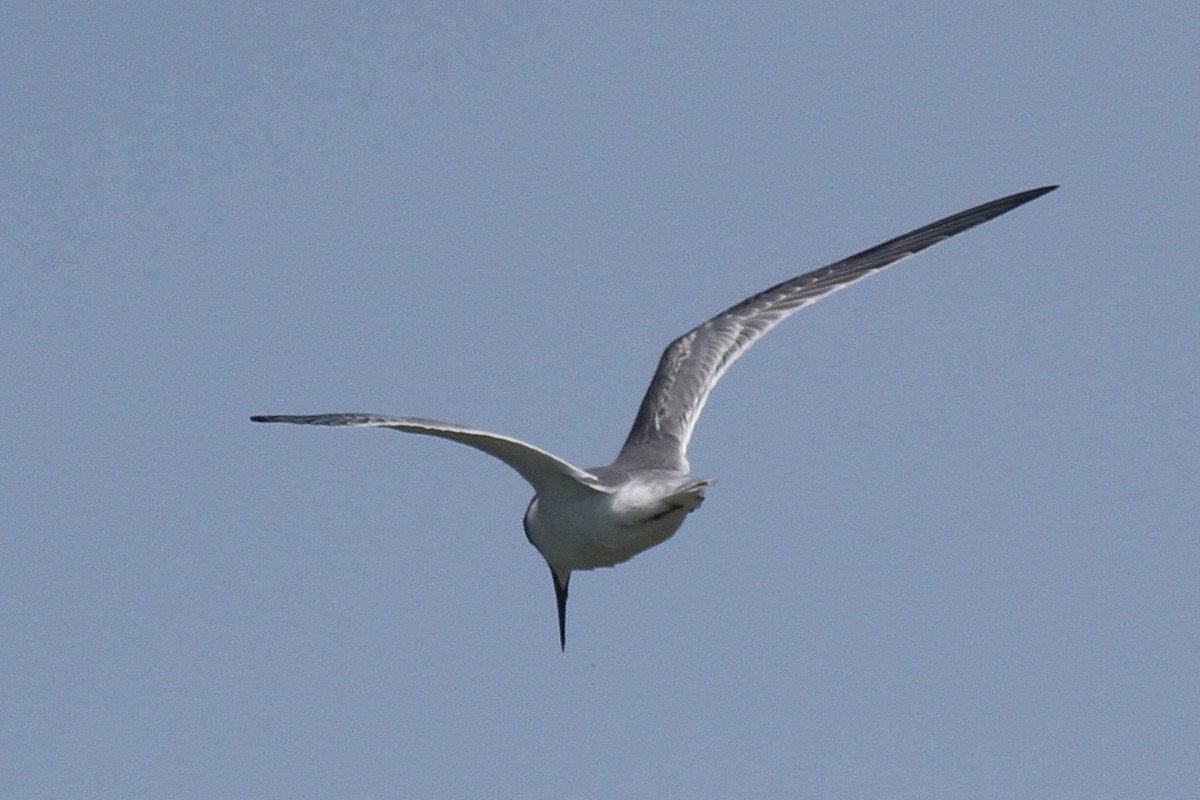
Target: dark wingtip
x: 1004, y: 205
x: 1021, y: 198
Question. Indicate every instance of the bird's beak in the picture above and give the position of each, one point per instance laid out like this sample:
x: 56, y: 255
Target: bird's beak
x: 560, y: 594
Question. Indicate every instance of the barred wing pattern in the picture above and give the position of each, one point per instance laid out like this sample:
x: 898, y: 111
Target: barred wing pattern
x: 692, y: 364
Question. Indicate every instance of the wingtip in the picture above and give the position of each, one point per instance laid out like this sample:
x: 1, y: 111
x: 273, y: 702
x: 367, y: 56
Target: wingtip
x: 1000, y: 206
x: 1021, y: 198
x: 1034, y: 194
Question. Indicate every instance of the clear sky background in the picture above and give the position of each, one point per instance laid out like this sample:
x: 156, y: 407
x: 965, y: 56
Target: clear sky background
x: 953, y: 550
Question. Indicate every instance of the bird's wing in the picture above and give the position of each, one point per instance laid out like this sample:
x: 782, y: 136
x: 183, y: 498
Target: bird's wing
x: 692, y: 364
x: 534, y: 464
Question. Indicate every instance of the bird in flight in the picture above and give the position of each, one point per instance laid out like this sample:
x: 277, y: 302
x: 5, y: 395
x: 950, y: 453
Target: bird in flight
x: 581, y: 519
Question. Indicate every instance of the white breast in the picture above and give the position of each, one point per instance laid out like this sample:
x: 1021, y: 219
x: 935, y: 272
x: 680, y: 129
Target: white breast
x: 580, y: 531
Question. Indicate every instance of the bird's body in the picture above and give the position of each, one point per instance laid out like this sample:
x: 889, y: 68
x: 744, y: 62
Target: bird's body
x: 583, y: 519
x: 602, y: 528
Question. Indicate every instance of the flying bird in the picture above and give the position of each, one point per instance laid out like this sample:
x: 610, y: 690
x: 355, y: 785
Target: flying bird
x: 581, y: 519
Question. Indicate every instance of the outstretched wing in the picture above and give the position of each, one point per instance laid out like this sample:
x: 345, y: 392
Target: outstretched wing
x: 692, y: 364
x: 534, y: 464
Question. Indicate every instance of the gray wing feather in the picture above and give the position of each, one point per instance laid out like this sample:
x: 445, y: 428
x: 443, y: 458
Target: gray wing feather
x: 692, y: 364
x: 532, y: 463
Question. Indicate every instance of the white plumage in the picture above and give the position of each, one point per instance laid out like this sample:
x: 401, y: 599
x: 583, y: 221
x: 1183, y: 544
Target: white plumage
x: 583, y: 519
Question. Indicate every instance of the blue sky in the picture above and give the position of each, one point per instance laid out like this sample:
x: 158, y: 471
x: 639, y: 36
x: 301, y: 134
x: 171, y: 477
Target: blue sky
x: 953, y: 549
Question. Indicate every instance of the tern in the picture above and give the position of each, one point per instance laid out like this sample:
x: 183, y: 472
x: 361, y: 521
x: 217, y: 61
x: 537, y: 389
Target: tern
x: 581, y: 519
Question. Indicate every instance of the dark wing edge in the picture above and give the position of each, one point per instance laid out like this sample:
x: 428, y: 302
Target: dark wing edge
x: 692, y: 364
x: 533, y: 464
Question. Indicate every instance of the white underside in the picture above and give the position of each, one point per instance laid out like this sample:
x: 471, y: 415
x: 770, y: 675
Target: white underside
x: 581, y: 530
x: 579, y: 519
